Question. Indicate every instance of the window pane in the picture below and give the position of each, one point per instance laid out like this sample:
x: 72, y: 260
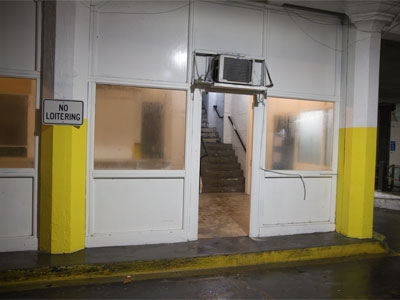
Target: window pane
x: 17, y: 122
x: 139, y: 128
x: 299, y: 134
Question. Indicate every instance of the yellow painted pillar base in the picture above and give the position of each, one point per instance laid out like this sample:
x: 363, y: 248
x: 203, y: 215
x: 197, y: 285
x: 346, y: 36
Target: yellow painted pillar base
x: 62, y: 188
x: 356, y: 182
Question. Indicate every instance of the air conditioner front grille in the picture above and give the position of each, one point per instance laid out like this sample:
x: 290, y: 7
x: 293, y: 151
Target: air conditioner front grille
x: 237, y: 70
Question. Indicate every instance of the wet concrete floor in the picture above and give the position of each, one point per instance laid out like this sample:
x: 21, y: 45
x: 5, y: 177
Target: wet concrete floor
x: 373, y: 278
x: 387, y: 222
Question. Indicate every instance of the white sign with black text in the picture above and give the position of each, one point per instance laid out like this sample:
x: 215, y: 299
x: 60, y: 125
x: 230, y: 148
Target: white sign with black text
x: 62, y: 112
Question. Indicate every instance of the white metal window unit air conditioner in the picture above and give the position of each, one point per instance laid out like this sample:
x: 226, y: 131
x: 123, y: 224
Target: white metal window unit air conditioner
x: 230, y: 73
x: 234, y: 70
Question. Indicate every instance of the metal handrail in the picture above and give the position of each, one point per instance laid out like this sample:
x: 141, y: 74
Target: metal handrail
x: 216, y: 110
x: 233, y: 125
x: 237, y: 133
x: 205, y: 148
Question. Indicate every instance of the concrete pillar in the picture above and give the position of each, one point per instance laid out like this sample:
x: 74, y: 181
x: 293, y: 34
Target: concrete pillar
x: 63, y: 148
x: 358, y: 126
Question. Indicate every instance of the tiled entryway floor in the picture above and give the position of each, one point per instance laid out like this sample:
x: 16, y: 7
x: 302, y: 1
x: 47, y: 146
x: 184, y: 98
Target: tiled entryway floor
x: 224, y: 215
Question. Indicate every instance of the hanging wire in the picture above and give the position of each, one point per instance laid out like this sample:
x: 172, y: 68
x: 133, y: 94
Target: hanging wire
x: 296, y: 175
x: 292, y: 11
x: 82, y: 2
x: 310, y: 36
x: 142, y: 13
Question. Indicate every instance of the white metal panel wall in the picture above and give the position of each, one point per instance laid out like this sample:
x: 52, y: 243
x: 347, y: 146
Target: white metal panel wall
x: 145, y: 40
x: 15, y: 207
x: 124, y: 205
x: 287, y: 195
x: 147, y: 43
x: 19, y: 57
x: 302, y: 55
x: 228, y: 29
x: 17, y: 35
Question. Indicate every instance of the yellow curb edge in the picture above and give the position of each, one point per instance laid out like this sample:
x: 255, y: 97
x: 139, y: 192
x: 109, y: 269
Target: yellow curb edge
x: 50, y: 274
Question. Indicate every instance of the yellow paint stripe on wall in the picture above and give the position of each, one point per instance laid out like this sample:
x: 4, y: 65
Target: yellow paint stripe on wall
x: 62, y: 188
x: 356, y: 179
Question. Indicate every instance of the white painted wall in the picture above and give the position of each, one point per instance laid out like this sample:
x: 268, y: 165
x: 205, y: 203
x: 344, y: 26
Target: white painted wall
x: 147, y: 43
x: 19, y: 57
x: 303, y: 55
x: 72, y: 52
x: 227, y: 29
x: 227, y: 125
x: 81, y: 54
x: 18, y: 36
x: 288, y: 199
x: 213, y: 120
x: 239, y: 112
x: 16, y: 207
x: 137, y: 205
x: 142, y: 40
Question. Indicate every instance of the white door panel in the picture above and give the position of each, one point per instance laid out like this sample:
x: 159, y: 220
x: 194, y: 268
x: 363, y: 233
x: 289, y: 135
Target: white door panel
x: 278, y: 206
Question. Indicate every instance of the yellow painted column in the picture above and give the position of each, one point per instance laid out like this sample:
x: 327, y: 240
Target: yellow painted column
x: 356, y: 180
x: 358, y: 126
x: 62, y: 188
x: 62, y: 166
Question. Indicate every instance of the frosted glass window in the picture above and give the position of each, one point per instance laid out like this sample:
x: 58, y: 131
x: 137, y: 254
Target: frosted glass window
x: 17, y: 122
x: 139, y: 128
x: 299, y: 134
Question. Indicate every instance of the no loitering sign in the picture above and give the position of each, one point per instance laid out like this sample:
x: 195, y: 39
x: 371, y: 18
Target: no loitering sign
x: 62, y: 112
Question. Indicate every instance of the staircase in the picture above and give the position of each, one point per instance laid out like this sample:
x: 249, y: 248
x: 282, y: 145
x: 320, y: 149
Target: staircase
x: 220, y: 170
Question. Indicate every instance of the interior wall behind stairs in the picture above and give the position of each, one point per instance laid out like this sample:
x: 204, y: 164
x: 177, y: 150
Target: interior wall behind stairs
x: 213, y: 119
x: 239, y: 110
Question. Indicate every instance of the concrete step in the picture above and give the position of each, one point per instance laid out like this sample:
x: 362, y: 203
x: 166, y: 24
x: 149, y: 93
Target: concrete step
x: 212, y: 140
x: 231, y: 159
x: 209, y: 135
x: 220, y: 166
x: 221, y: 174
x: 220, y: 159
x: 209, y: 129
x: 211, y: 181
x: 218, y: 146
x: 223, y: 189
x: 221, y: 153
